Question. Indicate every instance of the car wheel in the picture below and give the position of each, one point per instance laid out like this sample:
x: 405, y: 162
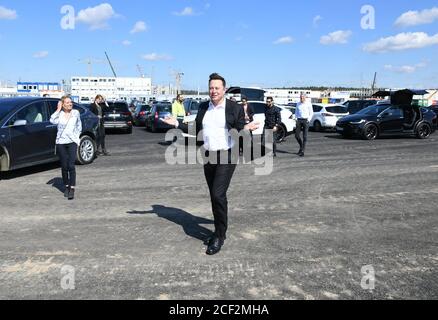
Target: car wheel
x: 281, y: 133
x: 370, y: 132
x: 317, y: 126
x: 423, y: 131
x: 86, y: 151
x: 153, y: 128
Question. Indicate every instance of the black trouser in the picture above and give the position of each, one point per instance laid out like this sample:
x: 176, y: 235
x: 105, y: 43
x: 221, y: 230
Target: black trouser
x: 274, y: 142
x: 101, y: 138
x: 218, y: 178
x: 302, y: 125
x: 67, y: 155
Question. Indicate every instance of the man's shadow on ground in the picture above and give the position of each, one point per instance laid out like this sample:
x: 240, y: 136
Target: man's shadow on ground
x: 190, y: 223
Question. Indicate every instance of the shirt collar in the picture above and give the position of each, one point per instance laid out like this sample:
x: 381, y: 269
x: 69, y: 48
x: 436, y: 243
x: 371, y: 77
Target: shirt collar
x: 219, y: 106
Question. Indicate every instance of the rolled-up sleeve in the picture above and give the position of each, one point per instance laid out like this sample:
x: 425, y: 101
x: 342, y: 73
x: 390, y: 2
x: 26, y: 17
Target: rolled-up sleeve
x: 54, y: 119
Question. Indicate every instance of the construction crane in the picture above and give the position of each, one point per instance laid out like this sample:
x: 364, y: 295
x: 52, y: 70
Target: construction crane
x: 111, y: 65
x: 373, y: 87
x: 90, y: 62
x: 140, y: 70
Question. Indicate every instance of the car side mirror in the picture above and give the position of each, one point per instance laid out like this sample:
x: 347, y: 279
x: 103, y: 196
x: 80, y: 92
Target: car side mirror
x: 19, y: 123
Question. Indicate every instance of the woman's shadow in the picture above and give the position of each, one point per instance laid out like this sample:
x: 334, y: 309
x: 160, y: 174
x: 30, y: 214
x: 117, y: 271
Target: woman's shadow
x: 190, y: 223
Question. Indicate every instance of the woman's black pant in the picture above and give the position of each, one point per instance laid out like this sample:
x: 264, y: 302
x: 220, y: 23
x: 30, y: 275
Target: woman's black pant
x: 101, y: 137
x: 67, y: 156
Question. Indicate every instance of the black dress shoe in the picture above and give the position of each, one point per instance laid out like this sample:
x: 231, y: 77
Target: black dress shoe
x: 106, y: 153
x: 301, y: 154
x: 66, y: 191
x: 215, y: 246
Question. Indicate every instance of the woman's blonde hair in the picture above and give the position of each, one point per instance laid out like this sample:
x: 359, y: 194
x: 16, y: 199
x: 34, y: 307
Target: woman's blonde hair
x: 65, y: 98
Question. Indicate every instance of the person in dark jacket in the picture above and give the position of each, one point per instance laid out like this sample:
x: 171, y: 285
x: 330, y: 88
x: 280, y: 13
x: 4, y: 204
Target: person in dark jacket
x: 97, y: 107
x: 272, y: 122
x: 215, y: 119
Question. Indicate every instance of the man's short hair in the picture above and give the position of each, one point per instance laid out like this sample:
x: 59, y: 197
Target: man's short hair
x: 270, y: 98
x: 216, y: 76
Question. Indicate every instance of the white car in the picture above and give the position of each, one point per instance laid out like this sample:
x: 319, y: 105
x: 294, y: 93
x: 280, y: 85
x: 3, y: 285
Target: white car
x: 287, y: 127
x: 325, y: 116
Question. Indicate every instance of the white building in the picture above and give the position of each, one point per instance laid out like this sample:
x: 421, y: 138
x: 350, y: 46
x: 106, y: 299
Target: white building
x: 286, y: 96
x: 85, y: 89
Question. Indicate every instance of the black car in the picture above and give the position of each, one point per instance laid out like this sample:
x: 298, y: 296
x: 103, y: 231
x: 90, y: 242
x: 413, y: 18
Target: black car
x: 354, y: 106
x: 159, y: 112
x: 381, y: 119
x: 191, y: 106
x: 28, y: 138
x: 434, y: 108
x: 117, y: 116
x: 140, y: 114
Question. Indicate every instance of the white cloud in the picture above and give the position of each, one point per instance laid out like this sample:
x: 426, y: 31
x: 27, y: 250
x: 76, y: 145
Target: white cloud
x: 414, y: 18
x: 187, y: 11
x: 402, y: 41
x: 284, y: 40
x: 97, y: 17
x: 337, y: 37
x: 140, y: 26
x: 41, y: 54
x: 126, y: 43
x: 406, y: 68
x: 316, y: 21
x: 156, y: 57
x: 7, y: 14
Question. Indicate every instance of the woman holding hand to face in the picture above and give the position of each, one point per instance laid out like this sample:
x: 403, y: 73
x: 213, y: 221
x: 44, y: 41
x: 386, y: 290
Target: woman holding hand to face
x: 67, y: 142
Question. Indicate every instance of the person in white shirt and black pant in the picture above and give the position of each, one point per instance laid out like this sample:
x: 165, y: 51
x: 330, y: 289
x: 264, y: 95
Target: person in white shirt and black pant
x: 215, y: 119
x: 68, y: 138
x: 304, y: 114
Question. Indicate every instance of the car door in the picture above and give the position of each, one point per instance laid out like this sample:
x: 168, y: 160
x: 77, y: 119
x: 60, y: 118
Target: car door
x: 52, y: 106
x: 391, y: 120
x: 31, y: 141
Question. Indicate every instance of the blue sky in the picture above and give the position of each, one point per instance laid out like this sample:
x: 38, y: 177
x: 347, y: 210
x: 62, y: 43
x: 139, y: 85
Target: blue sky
x: 265, y: 43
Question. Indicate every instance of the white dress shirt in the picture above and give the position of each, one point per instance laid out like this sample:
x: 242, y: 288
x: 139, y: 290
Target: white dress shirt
x: 215, y: 132
x: 304, y: 111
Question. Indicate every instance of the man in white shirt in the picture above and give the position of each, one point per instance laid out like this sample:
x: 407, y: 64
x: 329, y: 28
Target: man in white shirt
x: 215, y: 119
x: 304, y: 114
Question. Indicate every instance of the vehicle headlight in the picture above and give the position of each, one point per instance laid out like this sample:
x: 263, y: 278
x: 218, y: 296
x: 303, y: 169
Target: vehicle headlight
x: 359, y: 122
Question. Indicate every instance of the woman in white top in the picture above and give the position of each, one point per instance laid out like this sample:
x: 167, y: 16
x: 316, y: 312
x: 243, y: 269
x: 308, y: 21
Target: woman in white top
x: 69, y: 125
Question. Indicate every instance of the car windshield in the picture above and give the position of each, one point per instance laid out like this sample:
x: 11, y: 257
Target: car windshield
x: 164, y: 108
x: 374, y: 110
x: 337, y: 109
x: 118, y: 107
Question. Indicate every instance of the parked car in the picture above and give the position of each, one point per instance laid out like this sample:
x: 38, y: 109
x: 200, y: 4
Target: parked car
x: 287, y: 127
x: 117, y: 116
x: 27, y: 137
x: 159, y: 111
x: 326, y: 116
x: 378, y: 120
x: 434, y: 108
x: 354, y: 106
x: 252, y: 94
x: 140, y: 114
x: 191, y: 106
